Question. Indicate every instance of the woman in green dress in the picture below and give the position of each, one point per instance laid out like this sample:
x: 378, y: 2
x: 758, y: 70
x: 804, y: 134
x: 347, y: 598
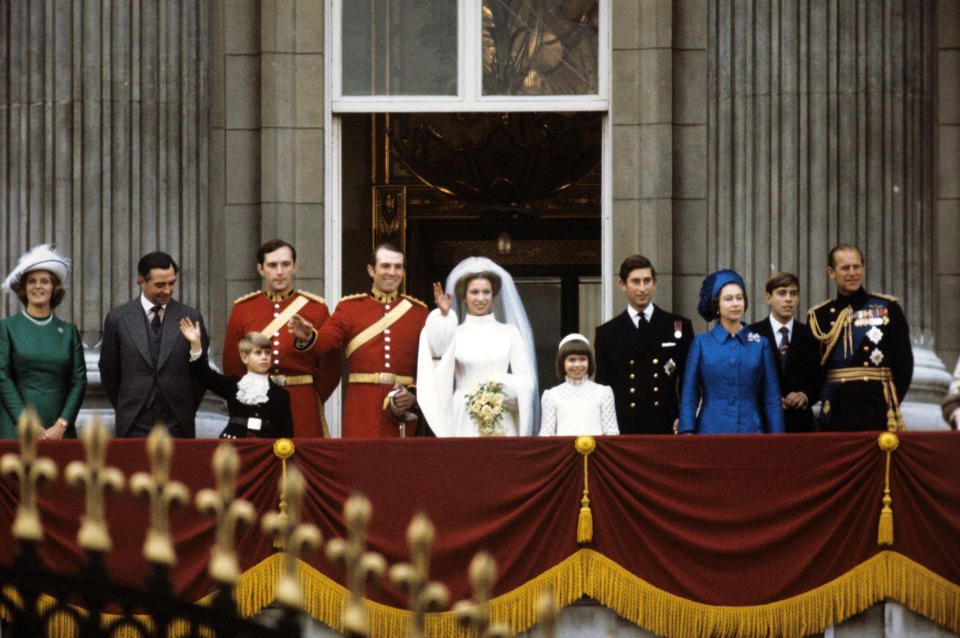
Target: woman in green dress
x: 41, y: 357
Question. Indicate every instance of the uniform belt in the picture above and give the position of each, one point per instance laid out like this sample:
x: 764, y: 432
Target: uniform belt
x: 885, y: 377
x: 292, y: 379
x: 380, y: 378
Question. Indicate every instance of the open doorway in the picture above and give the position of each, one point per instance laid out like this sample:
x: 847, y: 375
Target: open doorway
x: 520, y: 188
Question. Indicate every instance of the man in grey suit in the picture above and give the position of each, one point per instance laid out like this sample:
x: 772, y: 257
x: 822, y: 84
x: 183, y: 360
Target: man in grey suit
x: 144, y: 360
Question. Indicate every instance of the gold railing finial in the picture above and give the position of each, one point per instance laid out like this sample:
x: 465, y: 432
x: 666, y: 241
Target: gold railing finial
x: 296, y: 537
x: 414, y: 578
x: 162, y: 494
x: 97, y: 480
x: 31, y: 472
x: 230, y: 513
x: 476, y: 613
x: 547, y: 613
x: 358, y: 564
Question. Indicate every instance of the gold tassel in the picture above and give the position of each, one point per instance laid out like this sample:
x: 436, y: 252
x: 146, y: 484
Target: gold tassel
x: 888, y: 442
x: 585, y: 445
x: 585, y: 520
x: 283, y: 449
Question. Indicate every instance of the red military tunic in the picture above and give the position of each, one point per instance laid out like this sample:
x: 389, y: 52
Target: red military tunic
x: 253, y: 313
x: 392, y: 351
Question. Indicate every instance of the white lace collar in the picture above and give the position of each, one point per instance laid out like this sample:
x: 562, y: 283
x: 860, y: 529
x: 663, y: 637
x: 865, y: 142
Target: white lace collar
x: 252, y: 388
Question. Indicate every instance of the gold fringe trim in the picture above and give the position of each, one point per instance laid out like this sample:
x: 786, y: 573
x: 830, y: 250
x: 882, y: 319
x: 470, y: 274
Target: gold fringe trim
x: 888, y: 575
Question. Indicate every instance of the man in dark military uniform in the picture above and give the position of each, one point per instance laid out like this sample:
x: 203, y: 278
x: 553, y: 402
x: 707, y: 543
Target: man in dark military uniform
x: 865, y: 351
x: 641, y: 353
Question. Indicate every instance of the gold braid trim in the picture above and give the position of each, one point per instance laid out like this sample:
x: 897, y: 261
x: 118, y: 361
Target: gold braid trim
x: 842, y: 324
x: 888, y: 574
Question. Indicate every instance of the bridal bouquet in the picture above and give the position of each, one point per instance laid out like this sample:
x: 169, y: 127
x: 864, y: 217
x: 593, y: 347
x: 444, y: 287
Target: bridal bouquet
x: 485, y: 406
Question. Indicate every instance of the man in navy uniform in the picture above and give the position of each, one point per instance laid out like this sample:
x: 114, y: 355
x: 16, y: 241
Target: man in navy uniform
x: 865, y: 350
x: 795, y: 352
x: 641, y: 353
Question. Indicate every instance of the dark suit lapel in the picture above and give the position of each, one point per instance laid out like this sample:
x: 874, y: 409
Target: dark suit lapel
x: 169, y: 331
x: 136, y: 324
x: 764, y: 329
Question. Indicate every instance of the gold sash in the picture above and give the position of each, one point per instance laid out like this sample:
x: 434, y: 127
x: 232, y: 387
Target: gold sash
x: 284, y: 316
x: 378, y: 326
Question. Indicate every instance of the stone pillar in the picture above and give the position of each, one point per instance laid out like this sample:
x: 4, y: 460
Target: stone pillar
x: 104, y: 144
x: 642, y: 112
x: 267, y: 152
x: 948, y: 182
x: 821, y: 125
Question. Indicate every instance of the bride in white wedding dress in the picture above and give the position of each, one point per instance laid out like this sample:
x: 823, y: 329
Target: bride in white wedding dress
x: 455, y: 359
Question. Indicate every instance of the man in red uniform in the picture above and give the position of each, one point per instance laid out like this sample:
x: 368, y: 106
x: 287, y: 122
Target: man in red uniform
x: 307, y: 378
x: 378, y: 332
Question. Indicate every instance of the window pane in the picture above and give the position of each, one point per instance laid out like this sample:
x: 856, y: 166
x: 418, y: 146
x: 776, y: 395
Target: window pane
x: 399, y: 47
x: 540, y: 47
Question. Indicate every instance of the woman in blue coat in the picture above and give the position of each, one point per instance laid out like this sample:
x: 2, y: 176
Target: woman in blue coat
x: 729, y: 367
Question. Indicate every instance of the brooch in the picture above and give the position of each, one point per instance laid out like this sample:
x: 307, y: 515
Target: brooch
x: 754, y: 337
x: 670, y: 367
x: 875, y: 334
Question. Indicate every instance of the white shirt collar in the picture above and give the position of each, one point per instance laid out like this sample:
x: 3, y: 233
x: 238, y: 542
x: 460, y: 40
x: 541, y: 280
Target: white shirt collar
x: 148, y: 305
x: 634, y: 315
x: 777, y: 325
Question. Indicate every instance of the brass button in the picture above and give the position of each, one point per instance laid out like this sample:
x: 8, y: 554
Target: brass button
x: 633, y: 376
x: 866, y: 364
x: 633, y: 405
x: 656, y: 389
x: 866, y: 379
x: 866, y: 348
x: 833, y: 310
x: 656, y: 361
x: 656, y: 375
x: 632, y: 390
x: 832, y: 322
x: 656, y: 403
x: 631, y: 361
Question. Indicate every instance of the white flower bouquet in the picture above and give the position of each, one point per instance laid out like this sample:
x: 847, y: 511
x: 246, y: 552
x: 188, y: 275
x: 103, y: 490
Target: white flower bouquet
x: 485, y: 404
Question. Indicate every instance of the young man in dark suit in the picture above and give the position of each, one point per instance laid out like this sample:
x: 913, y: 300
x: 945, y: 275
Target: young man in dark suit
x: 144, y: 360
x: 641, y: 354
x: 795, y: 352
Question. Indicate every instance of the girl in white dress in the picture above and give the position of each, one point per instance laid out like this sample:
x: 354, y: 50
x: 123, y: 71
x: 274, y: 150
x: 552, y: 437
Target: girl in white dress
x: 578, y: 405
x: 454, y: 360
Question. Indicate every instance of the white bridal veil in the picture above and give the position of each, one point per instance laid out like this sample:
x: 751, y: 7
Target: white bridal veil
x: 509, y: 309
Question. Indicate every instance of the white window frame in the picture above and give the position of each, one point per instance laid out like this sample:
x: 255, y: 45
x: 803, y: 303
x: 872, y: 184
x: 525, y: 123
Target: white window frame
x: 468, y: 99
x: 469, y: 96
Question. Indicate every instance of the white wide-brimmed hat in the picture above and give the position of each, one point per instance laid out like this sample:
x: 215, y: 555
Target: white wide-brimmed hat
x: 42, y: 257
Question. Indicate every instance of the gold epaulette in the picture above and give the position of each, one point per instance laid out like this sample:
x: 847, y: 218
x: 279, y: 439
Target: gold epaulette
x: 819, y: 306
x: 414, y: 300
x: 311, y: 296
x: 883, y: 296
x: 359, y: 295
x: 250, y: 295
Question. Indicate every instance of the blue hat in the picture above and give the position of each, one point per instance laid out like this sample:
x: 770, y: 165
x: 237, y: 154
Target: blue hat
x: 711, y: 287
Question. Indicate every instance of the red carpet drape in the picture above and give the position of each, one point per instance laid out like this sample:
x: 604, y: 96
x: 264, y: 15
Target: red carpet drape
x: 742, y: 535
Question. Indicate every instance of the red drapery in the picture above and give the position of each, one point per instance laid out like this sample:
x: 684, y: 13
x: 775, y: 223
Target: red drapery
x: 740, y: 534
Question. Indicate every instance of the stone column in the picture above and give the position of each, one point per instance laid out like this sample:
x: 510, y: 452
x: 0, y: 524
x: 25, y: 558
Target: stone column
x: 821, y: 130
x: 642, y: 112
x: 104, y: 144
